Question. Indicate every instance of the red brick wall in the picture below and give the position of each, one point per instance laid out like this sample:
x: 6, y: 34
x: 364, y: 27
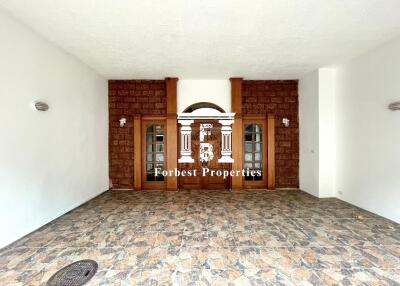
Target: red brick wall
x: 127, y: 98
x: 280, y: 98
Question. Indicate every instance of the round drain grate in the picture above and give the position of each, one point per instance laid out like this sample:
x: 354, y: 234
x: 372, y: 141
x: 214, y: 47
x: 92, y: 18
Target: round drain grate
x: 75, y: 274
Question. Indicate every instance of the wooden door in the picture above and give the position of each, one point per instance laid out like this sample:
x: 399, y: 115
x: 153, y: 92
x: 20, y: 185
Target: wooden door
x: 205, y: 180
x: 254, y: 150
x: 153, y: 154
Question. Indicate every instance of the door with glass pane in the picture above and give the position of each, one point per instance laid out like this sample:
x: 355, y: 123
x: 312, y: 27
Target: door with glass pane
x: 254, y: 150
x: 153, y: 154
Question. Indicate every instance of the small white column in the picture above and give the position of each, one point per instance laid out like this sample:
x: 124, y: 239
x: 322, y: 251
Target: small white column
x: 226, y: 142
x: 186, y: 141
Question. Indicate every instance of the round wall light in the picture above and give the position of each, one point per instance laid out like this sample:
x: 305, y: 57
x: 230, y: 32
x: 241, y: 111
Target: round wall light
x: 285, y: 122
x: 122, y: 122
x: 40, y: 106
x: 394, y: 106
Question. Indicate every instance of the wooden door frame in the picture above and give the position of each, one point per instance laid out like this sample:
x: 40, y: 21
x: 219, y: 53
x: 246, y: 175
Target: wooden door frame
x: 237, y: 131
x: 137, y: 153
x: 271, y: 185
x: 171, y: 132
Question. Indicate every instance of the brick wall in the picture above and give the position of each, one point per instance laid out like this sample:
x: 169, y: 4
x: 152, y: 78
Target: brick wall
x: 126, y: 99
x: 279, y: 98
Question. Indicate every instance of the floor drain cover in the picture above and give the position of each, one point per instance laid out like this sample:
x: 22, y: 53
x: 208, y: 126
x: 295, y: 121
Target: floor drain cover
x: 75, y: 274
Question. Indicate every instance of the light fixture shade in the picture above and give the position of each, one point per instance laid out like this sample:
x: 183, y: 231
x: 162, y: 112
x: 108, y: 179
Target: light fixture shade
x: 122, y: 122
x: 394, y: 106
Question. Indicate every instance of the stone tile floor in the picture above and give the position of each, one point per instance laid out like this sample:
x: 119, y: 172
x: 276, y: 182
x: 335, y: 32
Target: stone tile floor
x: 212, y: 238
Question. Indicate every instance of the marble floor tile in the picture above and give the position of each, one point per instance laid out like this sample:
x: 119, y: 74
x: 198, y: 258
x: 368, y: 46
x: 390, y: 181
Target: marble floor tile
x: 166, y: 258
x: 356, y: 276
x: 207, y: 237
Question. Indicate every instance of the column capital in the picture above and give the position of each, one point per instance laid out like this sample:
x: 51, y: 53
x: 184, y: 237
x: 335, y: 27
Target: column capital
x: 185, y: 122
x: 226, y: 122
x: 171, y: 92
x: 236, y: 95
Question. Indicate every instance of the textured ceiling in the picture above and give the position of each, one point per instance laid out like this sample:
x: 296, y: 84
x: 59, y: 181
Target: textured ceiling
x: 256, y: 39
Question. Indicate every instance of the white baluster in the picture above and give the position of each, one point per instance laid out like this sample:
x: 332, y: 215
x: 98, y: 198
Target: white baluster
x: 186, y: 138
x: 226, y: 144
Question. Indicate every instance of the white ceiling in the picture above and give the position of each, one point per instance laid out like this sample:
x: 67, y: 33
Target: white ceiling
x: 256, y: 39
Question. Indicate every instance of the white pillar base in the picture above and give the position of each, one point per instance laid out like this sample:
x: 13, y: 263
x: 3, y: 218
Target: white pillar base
x: 225, y: 159
x: 185, y: 159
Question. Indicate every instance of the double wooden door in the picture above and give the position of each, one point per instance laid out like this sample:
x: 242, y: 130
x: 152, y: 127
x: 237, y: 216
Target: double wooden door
x: 213, y: 178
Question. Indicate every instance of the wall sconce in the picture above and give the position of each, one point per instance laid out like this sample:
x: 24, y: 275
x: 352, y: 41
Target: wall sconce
x: 285, y: 122
x: 40, y: 106
x: 394, y: 106
x: 122, y: 122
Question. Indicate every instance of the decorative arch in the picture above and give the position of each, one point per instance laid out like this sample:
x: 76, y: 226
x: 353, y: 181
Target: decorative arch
x: 200, y: 105
x: 205, y: 110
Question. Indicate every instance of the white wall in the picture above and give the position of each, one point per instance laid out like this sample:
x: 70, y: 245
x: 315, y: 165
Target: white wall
x: 317, y: 133
x: 368, y: 134
x: 327, y: 143
x: 50, y: 162
x: 193, y: 91
x: 309, y: 133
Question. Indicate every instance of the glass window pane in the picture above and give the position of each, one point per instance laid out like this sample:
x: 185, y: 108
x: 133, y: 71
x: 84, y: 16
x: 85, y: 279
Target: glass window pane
x: 248, y: 178
x: 150, y: 157
x: 248, y: 147
x: 160, y: 166
x: 149, y: 138
x: 248, y: 157
x: 253, y: 151
x: 249, y: 128
x: 160, y: 157
x: 150, y: 129
x: 159, y: 177
x: 150, y: 176
x: 160, y: 147
x: 248, y: 165
x: 248, y: 137
x: 159, y: 129
x: 155, y: 133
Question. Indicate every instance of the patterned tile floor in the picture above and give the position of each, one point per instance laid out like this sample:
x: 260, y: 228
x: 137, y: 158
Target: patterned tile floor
x: 212, y: 238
